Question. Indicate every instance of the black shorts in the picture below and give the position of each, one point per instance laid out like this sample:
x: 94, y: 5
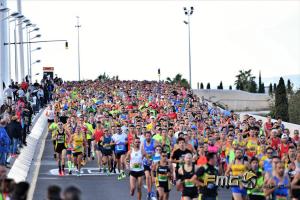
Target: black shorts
x: 147, y: 168
x: 106, y: 152
x: 190, y: 192
x: 256, y: 197
x: 99, y: 148
x: 76, y: 154
x: 136, y: 174
x: 59, y: 148
x: 9, y: 97
x: 119, y: 154
x: 69, y: 152
x: 164, y: 185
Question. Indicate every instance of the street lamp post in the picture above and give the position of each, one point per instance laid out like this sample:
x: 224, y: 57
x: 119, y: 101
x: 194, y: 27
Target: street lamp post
x: 78, y: 27
x: 188, y: 13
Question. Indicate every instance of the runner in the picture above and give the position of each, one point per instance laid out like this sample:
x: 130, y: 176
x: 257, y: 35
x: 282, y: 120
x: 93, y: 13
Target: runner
x: 278, y: 186
x: 119, y: 139
x: 97, y: 136
x: 209, y: 191
x: 52, y: 128
x: 136, y: 155
x: 162, y: 171
x: 60, y: 148
x: 186, y: 173
x: 256, y: 193
x: 79, y: 142
x: 149, y: 148
x: 238, y: 167
x: 107, y: 152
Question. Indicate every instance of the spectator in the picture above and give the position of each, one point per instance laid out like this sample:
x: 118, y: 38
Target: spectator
x: 20, y: 191
x: 54, y: 192
x: 4, y: 143
x: 14, y: 131
x: 72, y: 193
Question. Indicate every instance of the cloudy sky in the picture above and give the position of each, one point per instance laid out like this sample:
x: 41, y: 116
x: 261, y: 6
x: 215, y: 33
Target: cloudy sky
x: 133, y: 39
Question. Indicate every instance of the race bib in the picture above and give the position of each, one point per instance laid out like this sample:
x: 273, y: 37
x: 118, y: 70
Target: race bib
x: 162, y: 178
x: 188, y: 183
x: 120, y: 147
x: 136, y: 166
x: 278, y: 197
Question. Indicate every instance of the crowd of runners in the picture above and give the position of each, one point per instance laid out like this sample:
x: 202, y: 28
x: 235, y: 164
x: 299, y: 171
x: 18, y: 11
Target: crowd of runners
x: 169, y: 138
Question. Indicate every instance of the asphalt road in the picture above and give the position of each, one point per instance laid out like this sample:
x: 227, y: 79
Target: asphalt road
x: 93, y: 185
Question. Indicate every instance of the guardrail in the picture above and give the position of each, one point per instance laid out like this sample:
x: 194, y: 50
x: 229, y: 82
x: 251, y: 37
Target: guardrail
x: 21, y: 166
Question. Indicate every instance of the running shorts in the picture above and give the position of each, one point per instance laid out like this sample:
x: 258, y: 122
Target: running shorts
x: 76, y: 154
x: 136, y: 174
x: 190, y: 192
x: 59, y: 148
x: 119, y: 154
x: 237, y: 189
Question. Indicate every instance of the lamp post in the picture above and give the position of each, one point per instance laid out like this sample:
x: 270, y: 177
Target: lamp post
x: 16, y: 50
x: 3, y: 58
x: 78, y: 27
x: 188, y: 13
x: 30, y: 66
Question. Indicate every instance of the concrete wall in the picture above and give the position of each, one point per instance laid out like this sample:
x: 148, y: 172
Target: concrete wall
x: 237, y: 100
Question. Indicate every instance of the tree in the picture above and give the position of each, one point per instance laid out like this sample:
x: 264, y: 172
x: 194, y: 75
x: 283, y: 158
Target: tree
x: 230, y: 87
x: 275, y: 87
x: 178, y: 80
x: 245, y: 81
x: 103, y: 77
x: 271, y: 89
x: 201, y: 86
x: 281, y: 101
x: 289, y: 87
x: 220, y: 87
x: 261, y: 86
x: 208, y: 86
x: 294, y: 108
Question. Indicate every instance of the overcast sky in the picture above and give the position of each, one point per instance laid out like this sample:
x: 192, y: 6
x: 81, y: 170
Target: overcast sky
x: 133, y: 39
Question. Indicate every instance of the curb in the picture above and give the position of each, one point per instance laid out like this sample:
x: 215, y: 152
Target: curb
x: 22, y: 164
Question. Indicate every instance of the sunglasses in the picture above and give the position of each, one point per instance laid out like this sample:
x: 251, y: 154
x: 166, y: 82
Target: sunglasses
x: 163, y: 155
x: 269, y: 152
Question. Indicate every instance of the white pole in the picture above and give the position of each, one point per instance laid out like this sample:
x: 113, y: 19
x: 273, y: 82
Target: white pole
x: 21, y: 47
x: 9, y: 54
x: 3, y: 51
x: 16, y: 54
x: 78, y: 26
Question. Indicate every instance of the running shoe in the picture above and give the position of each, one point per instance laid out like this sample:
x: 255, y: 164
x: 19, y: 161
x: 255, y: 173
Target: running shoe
x: 149, y: 196
x: 100, y: 170
x: 104, y: 170
x: 59, y: 173
x: 62, y: 172
x: 70, y: 172
x: 123, y: 175
x: 119, y: 177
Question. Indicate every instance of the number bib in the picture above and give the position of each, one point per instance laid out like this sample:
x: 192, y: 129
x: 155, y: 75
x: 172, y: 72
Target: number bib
x: 278, y: 197
x: 162, y: 178
x: 188, y: 183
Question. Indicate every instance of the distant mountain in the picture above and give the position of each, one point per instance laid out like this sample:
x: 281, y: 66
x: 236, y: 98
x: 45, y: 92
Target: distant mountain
x: 295, y: 79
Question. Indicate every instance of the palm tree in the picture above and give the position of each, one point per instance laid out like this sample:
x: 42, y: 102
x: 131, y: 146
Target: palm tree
x: 178, y: 80
x: 245, y: 81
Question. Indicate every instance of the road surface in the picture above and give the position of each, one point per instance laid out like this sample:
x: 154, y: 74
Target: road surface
x: 92, y: 184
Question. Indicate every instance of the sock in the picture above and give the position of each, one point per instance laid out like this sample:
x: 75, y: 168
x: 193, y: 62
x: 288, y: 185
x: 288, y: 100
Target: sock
x: 69, y: 165
x: 59, y: 166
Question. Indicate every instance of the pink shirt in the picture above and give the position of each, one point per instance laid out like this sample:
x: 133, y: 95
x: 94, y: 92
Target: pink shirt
x: 213, y: 149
